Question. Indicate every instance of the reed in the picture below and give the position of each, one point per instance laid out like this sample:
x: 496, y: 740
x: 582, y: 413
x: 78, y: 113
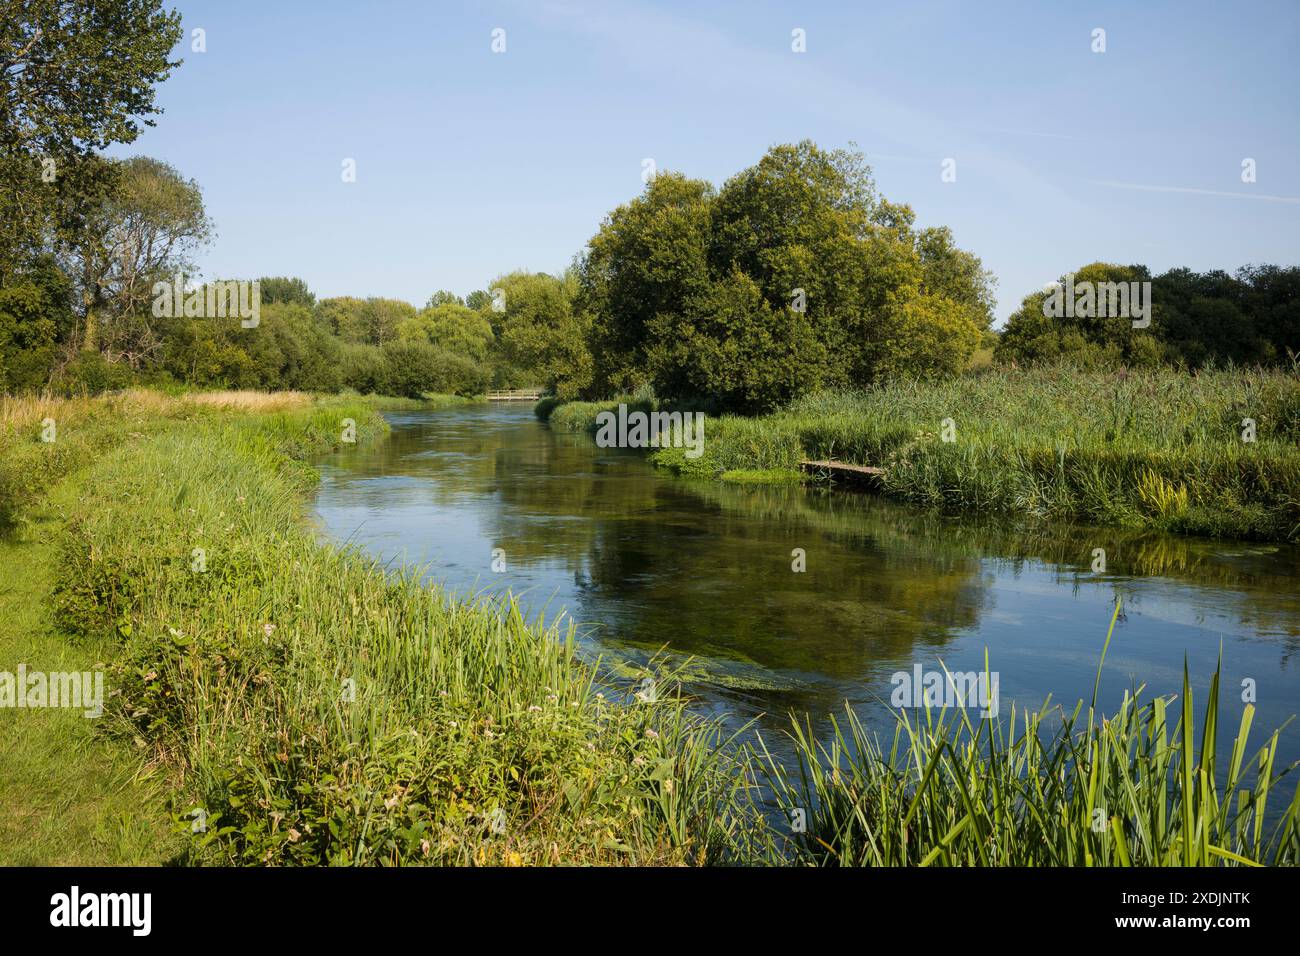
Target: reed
x: 1140, y: 787
x: 1143, y: 449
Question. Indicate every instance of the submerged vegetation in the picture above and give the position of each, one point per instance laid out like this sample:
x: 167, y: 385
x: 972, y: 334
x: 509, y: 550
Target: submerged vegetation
x: 1215, y: 453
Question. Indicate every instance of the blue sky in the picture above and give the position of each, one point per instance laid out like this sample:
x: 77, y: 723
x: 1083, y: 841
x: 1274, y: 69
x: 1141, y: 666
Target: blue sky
x: 471, y: 163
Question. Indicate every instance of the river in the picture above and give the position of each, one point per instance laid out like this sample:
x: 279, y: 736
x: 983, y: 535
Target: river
x: 644, y: 561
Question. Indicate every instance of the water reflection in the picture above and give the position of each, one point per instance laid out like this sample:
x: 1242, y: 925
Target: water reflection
x: 642, y: 560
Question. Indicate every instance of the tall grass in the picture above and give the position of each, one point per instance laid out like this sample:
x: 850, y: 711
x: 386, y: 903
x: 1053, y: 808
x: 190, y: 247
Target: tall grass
x: 1138, y: 788
x: 320, y: 711
x: 1161, y: 449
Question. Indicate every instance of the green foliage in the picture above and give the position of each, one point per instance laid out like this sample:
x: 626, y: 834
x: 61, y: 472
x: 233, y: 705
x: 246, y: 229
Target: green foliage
x: 453, y: 327
x: 443, y: 297
x: 283, y: 289
x: 372, y: 321
x: 34, y: 317
x: 413, y: 368
x: 539, y: 334
x: 1197, y: 320
x: 77, y: 77
x: 794, y: 276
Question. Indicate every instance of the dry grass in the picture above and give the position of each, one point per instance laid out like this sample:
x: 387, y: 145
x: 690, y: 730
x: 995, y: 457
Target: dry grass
x: 28, y: 410
x: 252, y: 401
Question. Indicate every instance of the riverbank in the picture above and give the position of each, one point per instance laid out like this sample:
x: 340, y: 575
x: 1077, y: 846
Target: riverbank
x: 309, y: 708
x: 1215, y: 454
x: 296, y: 705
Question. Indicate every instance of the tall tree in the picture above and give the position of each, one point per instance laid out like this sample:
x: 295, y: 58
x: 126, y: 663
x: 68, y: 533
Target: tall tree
x: 146, y: 231
x: 75, y: 76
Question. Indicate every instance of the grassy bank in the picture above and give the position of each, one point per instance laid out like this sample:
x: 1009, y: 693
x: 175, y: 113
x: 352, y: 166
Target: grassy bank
x: 1157, y: 449
x: 317, y: 711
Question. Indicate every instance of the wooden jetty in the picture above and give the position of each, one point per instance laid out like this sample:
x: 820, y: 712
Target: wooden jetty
x: 864, y: 474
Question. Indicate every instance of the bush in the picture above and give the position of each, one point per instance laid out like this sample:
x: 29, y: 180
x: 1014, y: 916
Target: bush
x: 91, y: 373
x: 362, y: 368
x: 412, y: 369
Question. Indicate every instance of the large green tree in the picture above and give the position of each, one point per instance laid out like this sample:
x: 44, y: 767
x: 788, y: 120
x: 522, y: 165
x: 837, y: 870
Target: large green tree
x: 541, y: 337
x: 147, y: 230
x: 795, y: 275
x: 76, y: 76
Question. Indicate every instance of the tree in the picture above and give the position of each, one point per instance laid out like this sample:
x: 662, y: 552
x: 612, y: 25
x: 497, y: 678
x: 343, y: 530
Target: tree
x: 1197, y: 319
x: 648, y: 257
x: 539, y: 332
x: 443, y: 297
x: 794, y: 276
x: 458, y: 329
x: 372, y: 321
x: 283, y: 289
x: 35, y: 316
x: 77, y: 75
x: 146, y: 231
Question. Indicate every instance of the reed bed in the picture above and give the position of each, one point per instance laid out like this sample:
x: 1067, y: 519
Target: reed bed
x: 1159, y: 449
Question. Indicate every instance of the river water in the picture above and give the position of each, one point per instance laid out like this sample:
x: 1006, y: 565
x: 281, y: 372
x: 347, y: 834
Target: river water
x: 644, y: 561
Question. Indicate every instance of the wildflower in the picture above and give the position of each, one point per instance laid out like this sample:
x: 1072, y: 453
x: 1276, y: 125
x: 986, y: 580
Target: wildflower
x: 651, y: 732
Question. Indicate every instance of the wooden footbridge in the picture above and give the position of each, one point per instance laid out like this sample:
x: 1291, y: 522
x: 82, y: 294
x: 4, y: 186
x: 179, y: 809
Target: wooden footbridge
x: 514, y: 395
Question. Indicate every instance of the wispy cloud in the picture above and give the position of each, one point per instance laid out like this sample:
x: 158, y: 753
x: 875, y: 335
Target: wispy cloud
x: 1147, y: 187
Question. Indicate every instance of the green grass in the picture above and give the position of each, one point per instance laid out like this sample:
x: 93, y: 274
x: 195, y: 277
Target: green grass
x: 319, y: 711
x: 1138, y: 788
x: 68, y: 796
x: 1159, y: 449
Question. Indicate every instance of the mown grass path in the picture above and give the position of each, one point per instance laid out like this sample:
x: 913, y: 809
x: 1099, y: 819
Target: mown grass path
x: 68, y: 796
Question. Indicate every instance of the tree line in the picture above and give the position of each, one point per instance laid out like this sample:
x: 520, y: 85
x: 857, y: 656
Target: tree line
x: 794, y: 275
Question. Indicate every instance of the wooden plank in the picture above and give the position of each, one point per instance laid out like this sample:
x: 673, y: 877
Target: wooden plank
x: 844, y: 468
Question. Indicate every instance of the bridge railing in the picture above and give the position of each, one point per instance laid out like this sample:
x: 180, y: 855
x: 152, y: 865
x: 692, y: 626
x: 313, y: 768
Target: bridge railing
x: 514, y: 394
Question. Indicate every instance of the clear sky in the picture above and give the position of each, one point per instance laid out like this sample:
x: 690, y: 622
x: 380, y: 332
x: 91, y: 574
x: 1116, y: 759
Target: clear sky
x: 470, y: 163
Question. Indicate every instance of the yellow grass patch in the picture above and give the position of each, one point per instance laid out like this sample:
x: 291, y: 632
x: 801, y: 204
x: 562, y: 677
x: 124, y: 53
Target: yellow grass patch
x: 28, y: 410
x: 252, y: 401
